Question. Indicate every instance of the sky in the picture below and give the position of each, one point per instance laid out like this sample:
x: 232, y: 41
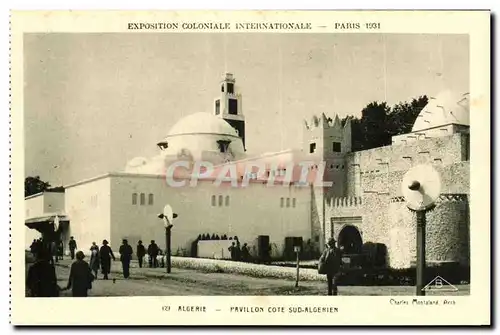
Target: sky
x: 92, y: 102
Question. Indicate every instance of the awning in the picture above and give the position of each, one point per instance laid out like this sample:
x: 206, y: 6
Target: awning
x: 38, y: 221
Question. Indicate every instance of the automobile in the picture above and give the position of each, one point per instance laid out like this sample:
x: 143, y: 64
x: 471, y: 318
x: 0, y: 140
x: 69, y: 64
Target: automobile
x: 353, y: 261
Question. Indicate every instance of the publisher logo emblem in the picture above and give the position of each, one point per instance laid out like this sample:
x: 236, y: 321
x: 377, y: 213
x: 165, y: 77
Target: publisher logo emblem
x: 439, y: 284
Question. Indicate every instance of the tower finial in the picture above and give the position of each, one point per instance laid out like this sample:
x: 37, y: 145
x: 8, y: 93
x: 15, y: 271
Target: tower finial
x: 326, y: 120
x: 306, y: 124
x: 336, y: 122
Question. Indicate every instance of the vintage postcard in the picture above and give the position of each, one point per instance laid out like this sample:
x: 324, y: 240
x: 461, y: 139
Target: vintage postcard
x: 250, y: 168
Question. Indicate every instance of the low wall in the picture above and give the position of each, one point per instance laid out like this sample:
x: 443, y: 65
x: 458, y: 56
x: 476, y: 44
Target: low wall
x: 216, y: 249
x: 247, y: 269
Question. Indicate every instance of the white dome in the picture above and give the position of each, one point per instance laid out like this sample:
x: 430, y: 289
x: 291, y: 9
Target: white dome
x: 202, y: 136
x: 445, y: 108
x: 202, y: 123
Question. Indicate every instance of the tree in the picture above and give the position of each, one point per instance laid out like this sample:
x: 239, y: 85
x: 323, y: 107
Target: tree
x: 373, y: 130
x: 33, y: 185
x: 404, y: 115
x: 379, y: 122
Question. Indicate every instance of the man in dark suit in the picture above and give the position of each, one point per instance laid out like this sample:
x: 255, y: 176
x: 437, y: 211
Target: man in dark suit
x: 153, y: 253
x: 125, y: 257
x: 72, y: 247
x: 331, y: 262
x: 105, y: 255
x: 41, y: 280
x: 141, y: 252
x: 80, y: 276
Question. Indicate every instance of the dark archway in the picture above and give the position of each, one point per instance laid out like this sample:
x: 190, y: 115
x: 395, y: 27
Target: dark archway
x: 350, y: 240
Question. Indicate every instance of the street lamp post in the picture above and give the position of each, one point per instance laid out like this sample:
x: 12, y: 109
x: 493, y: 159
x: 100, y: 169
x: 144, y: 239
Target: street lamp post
x: 297, y: 251
x: 421, y: 222
x: 168, y: 217
x: 168, y: 239
x: 421, y: 188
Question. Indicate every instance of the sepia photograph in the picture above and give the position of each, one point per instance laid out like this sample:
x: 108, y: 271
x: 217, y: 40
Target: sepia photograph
x: 168, y: 160
x: 119, y: 126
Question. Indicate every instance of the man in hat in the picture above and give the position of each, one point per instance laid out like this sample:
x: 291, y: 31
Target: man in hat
x: 80, y: 276
x: 125, y: 257
x: 72, y: 247
x: 141, y: 252
x: 245, y: 253
x: 153, y: 253
x: 105, y: 255
x: 329, y: 264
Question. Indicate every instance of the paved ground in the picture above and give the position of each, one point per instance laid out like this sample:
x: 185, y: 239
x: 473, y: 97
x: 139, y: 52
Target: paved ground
x: 156, y: 282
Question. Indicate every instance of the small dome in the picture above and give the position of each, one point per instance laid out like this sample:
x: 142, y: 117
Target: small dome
x: 202, y: 123
x: 443, y: 109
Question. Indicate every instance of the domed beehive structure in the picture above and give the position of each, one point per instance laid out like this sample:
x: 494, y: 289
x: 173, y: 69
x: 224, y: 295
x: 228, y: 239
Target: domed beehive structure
x: 443, y: 109
x: 445, y: 114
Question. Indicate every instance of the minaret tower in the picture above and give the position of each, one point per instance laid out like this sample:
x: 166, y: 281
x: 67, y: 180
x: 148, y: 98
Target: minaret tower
x: 327, y: 140
x: 228, y: 106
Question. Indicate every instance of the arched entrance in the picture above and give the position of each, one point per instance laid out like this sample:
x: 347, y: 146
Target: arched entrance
x: 350, y: 240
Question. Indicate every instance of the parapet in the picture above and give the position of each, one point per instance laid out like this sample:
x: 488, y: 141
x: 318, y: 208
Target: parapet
x: 445, y: 197
x: 346, y: 202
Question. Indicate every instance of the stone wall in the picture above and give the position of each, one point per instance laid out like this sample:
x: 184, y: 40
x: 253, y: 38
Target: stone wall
x: 440, y: 131
x: 454, y: 179
x: 375, y: 176
x: 447, y: 232
x: 343, y: 211
x: 381, y: 169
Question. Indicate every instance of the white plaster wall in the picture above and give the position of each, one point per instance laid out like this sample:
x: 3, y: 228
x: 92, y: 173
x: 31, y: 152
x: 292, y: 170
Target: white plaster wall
x: 53, y: 202
x: 34, y: 206
x: 252, y: 211
x: 88, y: 208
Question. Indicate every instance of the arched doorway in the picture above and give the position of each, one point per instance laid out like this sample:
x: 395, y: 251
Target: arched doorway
x: 350, y: 240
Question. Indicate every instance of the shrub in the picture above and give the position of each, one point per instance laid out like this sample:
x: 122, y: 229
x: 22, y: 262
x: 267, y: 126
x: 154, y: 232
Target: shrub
x: 248, y: 269
x: 358, y: 276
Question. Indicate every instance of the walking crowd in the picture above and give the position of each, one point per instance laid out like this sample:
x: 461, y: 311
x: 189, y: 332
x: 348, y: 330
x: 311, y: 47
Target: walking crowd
x: 41, y: 279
